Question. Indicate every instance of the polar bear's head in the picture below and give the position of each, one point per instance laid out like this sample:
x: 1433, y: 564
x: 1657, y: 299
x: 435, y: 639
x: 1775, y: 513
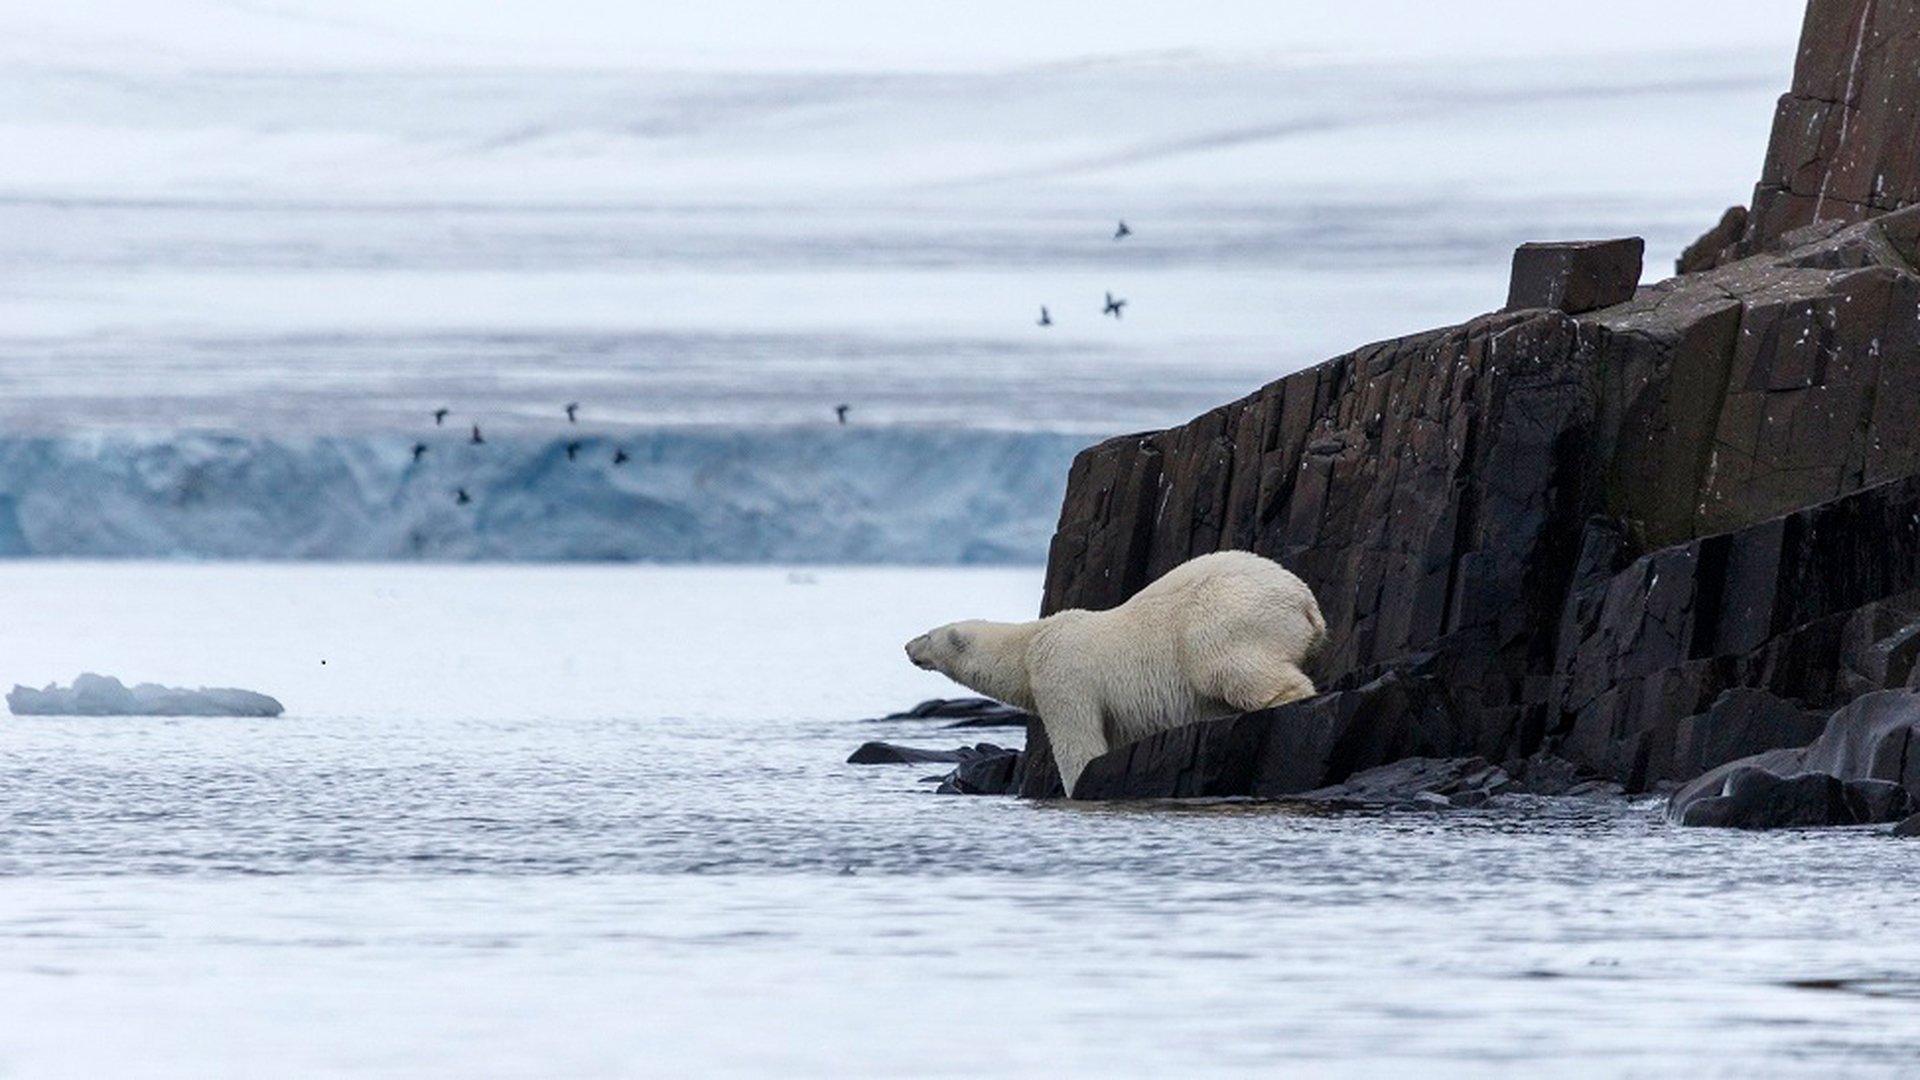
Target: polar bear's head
x: 942, y: 648
x: 987, y: 657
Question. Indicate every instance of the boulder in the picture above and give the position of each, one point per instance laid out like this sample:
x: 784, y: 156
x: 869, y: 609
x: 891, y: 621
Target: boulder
x: 996, y: 772
x: 965, y: 713
x: 1909, y: 827
x: 1297, y: 747
x: 1715, y: 246
x: 880, y: 753
x: 1575, y: 276
x: 1863, y: 750
x: 1458, y: 782
x: 1753, y: 798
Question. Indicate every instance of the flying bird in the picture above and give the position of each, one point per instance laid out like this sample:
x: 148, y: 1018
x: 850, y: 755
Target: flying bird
x: 1045, y: 319
x: 1113, y: 306
x: 1122, y: 232
x: 461, y: 497
x: 476, y: 440
x: 573, y: 450
x: 841, y: 412
x: 440, y: 416
x: 418, y: 449
x: 619, y: 457
x: 572, y: 408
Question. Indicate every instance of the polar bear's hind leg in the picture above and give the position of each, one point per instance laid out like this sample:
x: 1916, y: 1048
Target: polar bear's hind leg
x: 1249, y: 680
x: 1294, y: 685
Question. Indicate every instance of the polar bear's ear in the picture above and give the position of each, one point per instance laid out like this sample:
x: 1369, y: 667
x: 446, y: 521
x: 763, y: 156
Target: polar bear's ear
x: 956, y: 640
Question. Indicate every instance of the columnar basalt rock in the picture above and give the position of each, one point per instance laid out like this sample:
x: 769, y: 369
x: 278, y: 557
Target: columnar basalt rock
x: 1846, y: 137
x: 1655, y: 536
x: 1575, y: 276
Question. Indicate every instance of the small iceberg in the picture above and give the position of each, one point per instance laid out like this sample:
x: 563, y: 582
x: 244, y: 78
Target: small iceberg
x: 103, y: 695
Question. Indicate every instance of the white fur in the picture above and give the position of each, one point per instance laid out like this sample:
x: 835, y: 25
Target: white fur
x: 1220, y: 634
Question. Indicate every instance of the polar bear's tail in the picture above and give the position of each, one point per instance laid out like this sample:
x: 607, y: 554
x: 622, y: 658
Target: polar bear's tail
x: 1317, y: 643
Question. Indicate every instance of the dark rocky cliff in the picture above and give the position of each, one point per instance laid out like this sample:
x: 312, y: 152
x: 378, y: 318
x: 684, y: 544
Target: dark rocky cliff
x: 1562, y: 526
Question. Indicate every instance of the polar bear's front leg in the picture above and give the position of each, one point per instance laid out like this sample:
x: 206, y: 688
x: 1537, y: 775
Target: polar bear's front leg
x: 1074, y: 728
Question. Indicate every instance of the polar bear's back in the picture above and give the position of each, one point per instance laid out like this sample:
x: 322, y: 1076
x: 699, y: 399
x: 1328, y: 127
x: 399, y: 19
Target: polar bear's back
x: 1233, y: 597
x: 1233, y: 578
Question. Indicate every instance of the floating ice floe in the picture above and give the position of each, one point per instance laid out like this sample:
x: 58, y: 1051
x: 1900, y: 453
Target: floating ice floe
x: 103, y: 695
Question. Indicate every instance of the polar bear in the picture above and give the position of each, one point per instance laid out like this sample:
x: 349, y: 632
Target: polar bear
x: 1220, y: 634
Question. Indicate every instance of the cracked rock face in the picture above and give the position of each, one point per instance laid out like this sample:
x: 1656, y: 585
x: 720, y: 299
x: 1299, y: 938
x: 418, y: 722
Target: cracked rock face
x: 1846, y: 138
x: 1654, y: 537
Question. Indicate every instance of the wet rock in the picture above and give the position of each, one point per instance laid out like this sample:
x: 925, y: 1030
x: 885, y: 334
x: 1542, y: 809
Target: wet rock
x: 881, y: 753
x: 1865, y: 744
x: 992, y: 773
x: 1575, y: 276
x: 1909, y: 827
x: 1872, y: 802
x: 1717, y: 245
x: 1753, y: 798
x: 974, y: 712
x: 1294, y: 748
x: 1545, y: 774
x: 1451, y: 782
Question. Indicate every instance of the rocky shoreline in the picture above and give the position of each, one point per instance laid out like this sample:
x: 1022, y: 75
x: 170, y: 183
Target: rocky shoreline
x: 1665, y: 536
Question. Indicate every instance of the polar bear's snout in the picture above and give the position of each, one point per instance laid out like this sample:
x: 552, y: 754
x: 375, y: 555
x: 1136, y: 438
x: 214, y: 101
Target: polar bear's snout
x: 920, y: 651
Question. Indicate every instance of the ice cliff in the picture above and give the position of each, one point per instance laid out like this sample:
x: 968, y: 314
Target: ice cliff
x: 892, y: 495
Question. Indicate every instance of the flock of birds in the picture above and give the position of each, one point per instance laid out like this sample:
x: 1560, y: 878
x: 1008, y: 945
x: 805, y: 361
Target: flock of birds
x: 1114, y: 307
x: 461, y: 496
x: 1114, y: 304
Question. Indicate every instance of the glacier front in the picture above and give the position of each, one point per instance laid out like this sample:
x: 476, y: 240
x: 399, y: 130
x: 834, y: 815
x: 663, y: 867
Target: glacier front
x: 802, y: 495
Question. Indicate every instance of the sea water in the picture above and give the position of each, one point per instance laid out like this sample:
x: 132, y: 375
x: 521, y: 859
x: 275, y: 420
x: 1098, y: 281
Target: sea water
x: 594, y: 821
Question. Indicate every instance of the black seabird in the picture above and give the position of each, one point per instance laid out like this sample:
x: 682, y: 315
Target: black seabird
x: 573, y: 450
x: 418, y: 449
x: 461, y: 497
x: 841, y: 412
x: 1113, y: 306
x: 572, y: 407
x: 440, y: 416
x: 1122, y: 232
x: 619, y: 457
x: 1045, y: 319
x: 476, y: 428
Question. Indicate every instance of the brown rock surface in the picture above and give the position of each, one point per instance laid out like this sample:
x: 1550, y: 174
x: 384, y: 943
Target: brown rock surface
x: 1569, y: 527
x: 1575, y: 276
x: 1846, y: 138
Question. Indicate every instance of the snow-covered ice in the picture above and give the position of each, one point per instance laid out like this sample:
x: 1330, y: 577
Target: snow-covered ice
x: 104, y: 695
